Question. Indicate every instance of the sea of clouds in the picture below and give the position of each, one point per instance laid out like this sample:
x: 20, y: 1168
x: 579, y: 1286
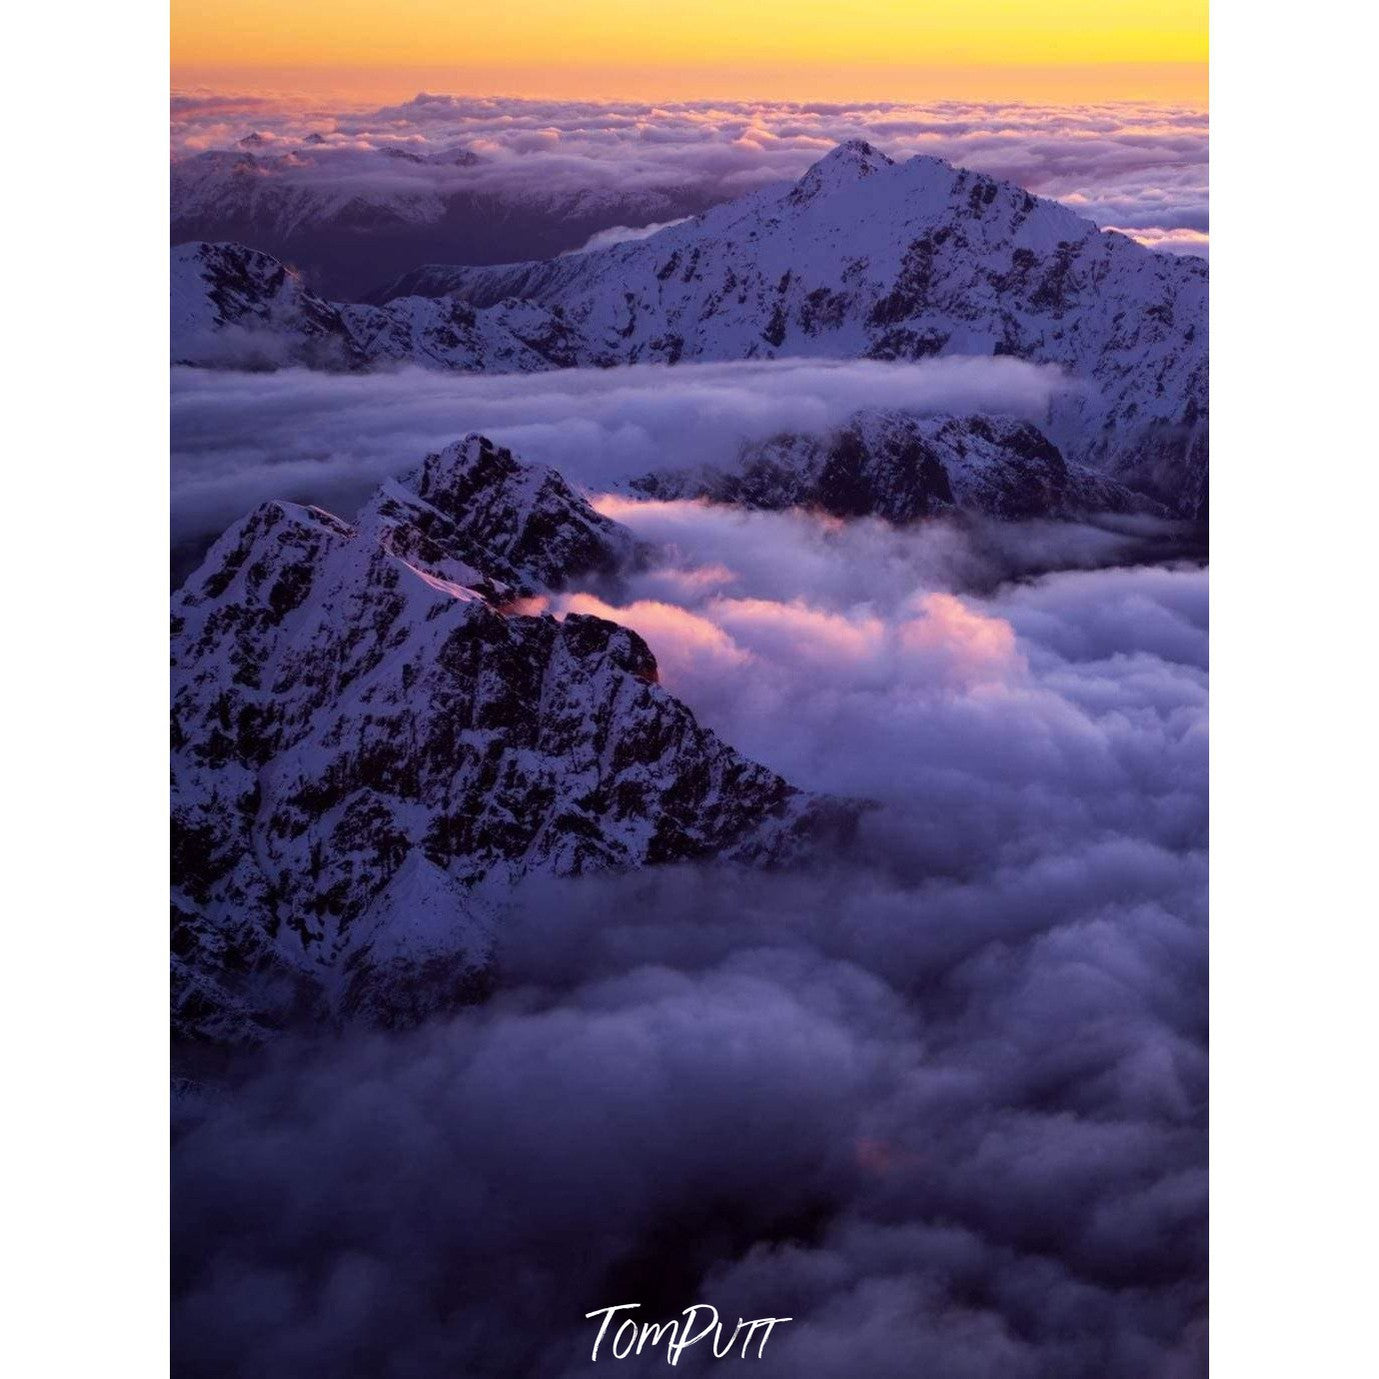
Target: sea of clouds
x: 940, y: 1097
x: 1141, y: 168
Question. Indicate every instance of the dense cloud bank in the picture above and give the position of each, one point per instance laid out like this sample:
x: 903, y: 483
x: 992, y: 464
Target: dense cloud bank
x: 240, y: 438
x: 942, y: 1103
x: 1140, y: 168
x: 836, y: 655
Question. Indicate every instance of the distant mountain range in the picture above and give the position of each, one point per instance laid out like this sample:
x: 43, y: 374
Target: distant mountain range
x: 353, y: 219
x: 861, y: 258
x: 374, y: 736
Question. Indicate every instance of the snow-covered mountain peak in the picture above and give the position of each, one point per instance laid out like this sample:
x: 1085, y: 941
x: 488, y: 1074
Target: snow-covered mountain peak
x: 367, y: 751
x: 475, y: 505
x: 840, y: 167
x: 453, y: 478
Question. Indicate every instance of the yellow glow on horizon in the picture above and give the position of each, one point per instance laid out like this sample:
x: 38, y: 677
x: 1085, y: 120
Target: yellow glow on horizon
x: 708, y: 47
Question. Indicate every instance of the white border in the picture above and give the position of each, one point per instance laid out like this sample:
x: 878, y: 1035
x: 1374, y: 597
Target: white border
x: 1293, y: 692
x: 1294, y: 497
x: 84, y: 558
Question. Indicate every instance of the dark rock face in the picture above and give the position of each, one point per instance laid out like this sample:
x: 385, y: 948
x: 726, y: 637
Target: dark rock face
x: 367, y: 751
x: 903, y: 468
x: 522, y: 524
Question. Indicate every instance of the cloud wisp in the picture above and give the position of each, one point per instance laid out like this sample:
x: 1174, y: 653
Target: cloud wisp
x: 240, y: 438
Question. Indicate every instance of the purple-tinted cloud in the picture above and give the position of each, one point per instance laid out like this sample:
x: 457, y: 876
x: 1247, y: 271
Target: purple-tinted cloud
x: 941, y: 1102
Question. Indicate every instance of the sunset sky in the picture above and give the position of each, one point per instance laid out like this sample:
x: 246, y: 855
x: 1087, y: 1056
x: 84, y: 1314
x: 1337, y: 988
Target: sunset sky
x: 792, y: 49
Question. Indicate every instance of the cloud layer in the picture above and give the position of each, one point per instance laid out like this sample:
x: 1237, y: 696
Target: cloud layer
x: 240, y: 438
x: 1141, y: 168
x: 942, y: 1102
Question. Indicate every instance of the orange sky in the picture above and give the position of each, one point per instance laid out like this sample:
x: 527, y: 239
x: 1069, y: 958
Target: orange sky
x: 679, y: 49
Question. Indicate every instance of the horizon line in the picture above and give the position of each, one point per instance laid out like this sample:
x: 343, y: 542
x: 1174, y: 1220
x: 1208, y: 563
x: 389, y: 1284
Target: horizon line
x: 1101, y: 83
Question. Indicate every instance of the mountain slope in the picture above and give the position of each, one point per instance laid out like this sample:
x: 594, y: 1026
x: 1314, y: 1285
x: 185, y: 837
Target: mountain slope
x: 369, y: 746
x: 902, y: 468
x: 866, y: 258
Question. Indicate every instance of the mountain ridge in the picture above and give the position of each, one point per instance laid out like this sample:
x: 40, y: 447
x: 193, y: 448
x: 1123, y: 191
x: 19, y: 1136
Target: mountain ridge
x: 867, y: 258
x: 862, y: 257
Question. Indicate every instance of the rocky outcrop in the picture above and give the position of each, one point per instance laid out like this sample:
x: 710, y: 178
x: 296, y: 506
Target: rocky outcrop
x: 475, y: 515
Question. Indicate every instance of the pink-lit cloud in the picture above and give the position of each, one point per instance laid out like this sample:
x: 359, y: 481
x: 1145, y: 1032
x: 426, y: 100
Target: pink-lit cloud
x: 685, y: 643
